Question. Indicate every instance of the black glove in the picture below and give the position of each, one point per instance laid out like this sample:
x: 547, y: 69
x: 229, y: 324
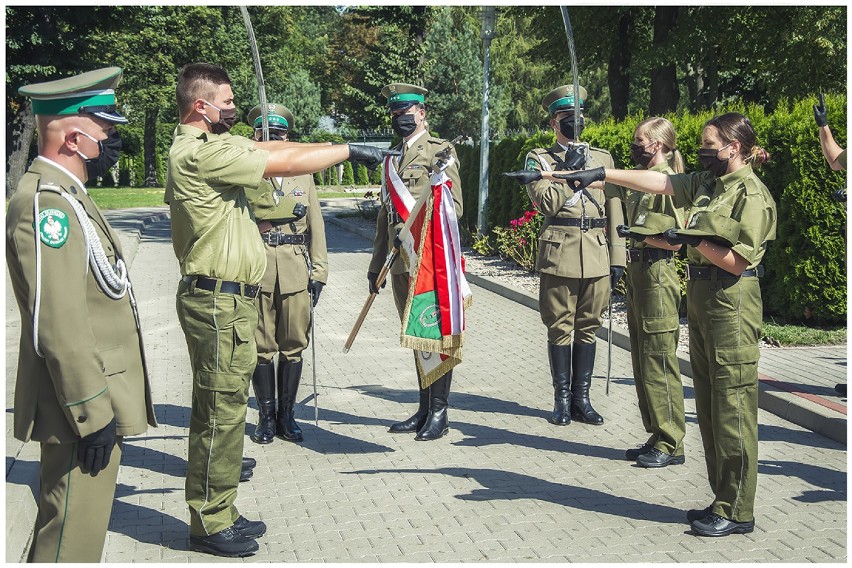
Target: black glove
x: 371, y: 278
x: 299, y: 211
x: 615, y: 274
x: 397, y: 242
x: 583, y: 178
x: 624, y: 232
x: 574, y: 160
x: 820, y: 112
x: 839, y: 195
x: 315, y: 288
x: 94, y: 450
x: 370, y: 156
x: 674, y: 238
x: 524, y: 176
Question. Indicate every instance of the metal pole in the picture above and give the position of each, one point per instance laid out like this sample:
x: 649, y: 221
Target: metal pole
x: 489, y: 18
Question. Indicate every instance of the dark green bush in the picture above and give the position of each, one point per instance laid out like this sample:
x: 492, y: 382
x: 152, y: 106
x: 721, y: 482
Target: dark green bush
x: 361, y: 175
x: 348, y: 174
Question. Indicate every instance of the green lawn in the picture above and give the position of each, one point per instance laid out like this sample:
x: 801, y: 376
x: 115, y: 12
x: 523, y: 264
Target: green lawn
x: 790, y: 335
x: 125, y: 197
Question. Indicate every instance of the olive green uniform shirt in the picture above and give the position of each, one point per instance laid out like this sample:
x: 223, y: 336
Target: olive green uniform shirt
x: 739, y: 195
x: 213, y: 231
x: 637, y: 202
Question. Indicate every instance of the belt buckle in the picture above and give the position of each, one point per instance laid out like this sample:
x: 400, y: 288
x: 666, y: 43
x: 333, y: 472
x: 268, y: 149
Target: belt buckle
x: 585, y: 223
x: 275, y: 239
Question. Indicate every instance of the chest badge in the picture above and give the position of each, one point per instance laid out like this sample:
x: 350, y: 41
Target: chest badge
x: 298, y: 193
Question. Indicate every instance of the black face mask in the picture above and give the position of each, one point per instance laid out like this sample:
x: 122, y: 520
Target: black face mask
x: 404, y: 124
x: 710, y: 161
x: 227, y: 118
x: 107, y: 157
x: 566, y: 127
x: 640, y: 156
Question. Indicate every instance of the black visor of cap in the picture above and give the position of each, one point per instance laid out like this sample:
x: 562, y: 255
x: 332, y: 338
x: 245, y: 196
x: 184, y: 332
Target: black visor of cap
x: 106, y: 112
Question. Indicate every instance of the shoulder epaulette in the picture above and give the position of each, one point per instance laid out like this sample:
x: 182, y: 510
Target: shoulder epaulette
x: 49, y: 186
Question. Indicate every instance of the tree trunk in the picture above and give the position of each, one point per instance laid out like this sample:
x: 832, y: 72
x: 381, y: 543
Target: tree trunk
x: 618, y: 76
x: 19, y: 137
x: 150, y: 147
x: 664, y: 88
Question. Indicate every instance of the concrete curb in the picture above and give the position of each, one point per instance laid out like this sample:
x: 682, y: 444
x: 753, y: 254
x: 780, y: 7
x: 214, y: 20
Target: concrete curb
x: 786, y: 405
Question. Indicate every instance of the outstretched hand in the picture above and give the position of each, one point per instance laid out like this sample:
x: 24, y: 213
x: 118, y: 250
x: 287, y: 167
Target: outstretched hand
x: 370, y: 156
x: 675, y: 238
x: 524, y: 176
x: 582, y: 178
x: 624, y: 232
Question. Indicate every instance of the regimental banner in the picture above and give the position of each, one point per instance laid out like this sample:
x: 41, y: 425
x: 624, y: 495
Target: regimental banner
x: 394, y: 188
x: 433, y: 321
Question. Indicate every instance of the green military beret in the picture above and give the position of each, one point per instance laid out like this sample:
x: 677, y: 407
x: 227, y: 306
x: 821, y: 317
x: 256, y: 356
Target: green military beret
x: 649, y: 223
x: 562, y: 98
x: 92, y: 93
x: 714, y: 227
x: 403, y: 95
x: 279, y: 117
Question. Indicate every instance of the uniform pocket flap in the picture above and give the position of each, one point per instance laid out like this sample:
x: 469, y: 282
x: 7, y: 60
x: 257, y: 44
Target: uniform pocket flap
x: 737, y: 355
x: 412, y: 173
x: 221, y: 382
x: 660, y: 324
x: 114, y: 360
x: 243, y: 331
x: 551, y: 237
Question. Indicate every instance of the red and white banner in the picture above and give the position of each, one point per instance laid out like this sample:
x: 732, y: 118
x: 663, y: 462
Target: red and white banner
x: 394, y: 188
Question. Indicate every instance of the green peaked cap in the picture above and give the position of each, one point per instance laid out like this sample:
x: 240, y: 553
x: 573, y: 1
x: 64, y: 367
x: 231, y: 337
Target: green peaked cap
x: 92, y: 93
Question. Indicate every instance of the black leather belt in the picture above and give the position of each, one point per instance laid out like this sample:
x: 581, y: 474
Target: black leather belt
x: 236, y: 288
x: 637, y: 255
x: 706, y: 272
x: 585, y: 223
x: 274, y: 238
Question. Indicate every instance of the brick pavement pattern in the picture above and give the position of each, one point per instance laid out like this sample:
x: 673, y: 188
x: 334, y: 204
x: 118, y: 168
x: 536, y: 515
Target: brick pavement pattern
x: 503, y: 486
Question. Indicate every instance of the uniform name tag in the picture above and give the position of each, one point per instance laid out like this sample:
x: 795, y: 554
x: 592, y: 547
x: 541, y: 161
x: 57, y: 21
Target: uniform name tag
x: 53, y: 227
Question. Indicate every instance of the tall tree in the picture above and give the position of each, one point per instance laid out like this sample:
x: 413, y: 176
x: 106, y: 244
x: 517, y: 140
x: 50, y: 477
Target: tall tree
x: 664, y: 87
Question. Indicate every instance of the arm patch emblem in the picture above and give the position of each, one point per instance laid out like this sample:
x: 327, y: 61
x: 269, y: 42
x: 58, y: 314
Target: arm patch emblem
x: 532, y: 164
x: 53, y: 227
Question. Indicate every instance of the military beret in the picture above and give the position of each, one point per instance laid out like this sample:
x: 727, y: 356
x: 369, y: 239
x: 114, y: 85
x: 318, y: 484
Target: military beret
x: 651, y: 223
x: 92, y: 93
x: 279, y: 117
x: 714, y: 227
x: 403, y: 95
x: 562, y: 98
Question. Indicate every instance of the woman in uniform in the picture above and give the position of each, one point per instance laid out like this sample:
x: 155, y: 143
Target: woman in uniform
x: 653, y: 297
x: 725, y: 308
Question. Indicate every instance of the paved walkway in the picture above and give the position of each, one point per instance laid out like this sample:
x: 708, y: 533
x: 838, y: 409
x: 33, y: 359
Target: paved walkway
x: 504, y: 485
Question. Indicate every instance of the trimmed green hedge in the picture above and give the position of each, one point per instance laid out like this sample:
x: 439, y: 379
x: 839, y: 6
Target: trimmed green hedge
x: 805, y: 265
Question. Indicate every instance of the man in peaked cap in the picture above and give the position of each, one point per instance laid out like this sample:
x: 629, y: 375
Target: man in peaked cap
x: 296, y: 272
x: 82, y: 382
x: 580, y: 256
x: 405, y: 178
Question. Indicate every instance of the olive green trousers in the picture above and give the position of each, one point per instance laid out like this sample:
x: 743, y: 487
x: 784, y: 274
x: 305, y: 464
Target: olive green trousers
x: 571, y: 307
x: 219, y: 330
x: 725, y: 317
x: 653, y: 295
x: 74, y: 507
x: 283, y: 325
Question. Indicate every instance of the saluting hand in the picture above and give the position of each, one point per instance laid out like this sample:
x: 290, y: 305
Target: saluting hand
x: 370, y: 156
x: 94, y: 450
x: 820, y: 114
x: 524, y: 176
x: 582, y: 178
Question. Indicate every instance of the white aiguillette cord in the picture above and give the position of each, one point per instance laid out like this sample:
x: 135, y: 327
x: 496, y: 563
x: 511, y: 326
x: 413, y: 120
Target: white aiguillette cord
x: 113, y: 280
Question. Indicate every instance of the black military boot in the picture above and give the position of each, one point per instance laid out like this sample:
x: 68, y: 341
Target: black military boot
x: 263, y: 381
x: 437, y: 424
x: 415, y: 423
x: 584, y: 363
x: 289, y: 375
x: 560, y: 370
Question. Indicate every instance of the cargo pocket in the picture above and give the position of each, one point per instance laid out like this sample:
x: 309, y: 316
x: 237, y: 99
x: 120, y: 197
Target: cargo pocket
x: 220, y: 397
x: 737, y: 366
x: 660, y: 324
x: 659, y: 330
x: 244, y: 351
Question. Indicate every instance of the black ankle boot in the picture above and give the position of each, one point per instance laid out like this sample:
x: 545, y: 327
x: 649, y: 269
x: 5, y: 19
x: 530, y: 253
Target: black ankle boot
x: 289, y: 375
x: 263, y: 381
x: 415, y: 422
x: 584, y: 363
x: 560, y: 370
x: 437, y: 424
